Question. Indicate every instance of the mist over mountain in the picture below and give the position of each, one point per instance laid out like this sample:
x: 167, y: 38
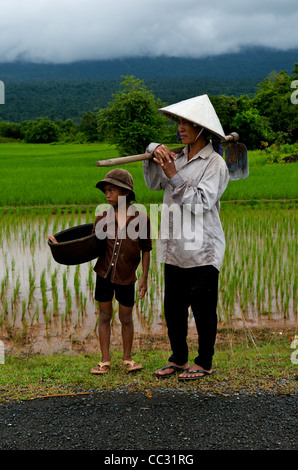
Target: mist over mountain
x: 255, y: 62
x: 62, y: 91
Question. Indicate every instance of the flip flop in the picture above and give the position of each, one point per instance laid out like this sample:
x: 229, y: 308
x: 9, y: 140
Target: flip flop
x: 131, y: 366
x: 101, y: 368
x: 175, y: 369
x: 203, y: 373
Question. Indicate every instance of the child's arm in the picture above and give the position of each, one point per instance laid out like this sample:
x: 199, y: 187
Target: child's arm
x: 143, y: 281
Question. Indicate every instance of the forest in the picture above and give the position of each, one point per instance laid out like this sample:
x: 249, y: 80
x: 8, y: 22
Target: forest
x: 263, y: 117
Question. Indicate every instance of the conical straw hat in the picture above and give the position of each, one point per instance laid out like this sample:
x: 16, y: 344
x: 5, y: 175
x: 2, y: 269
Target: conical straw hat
x: 198, y: 110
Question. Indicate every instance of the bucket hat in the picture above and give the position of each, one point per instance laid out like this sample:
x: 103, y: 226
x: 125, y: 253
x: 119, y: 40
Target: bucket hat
x: 118, y: 177
x: 198, y: 110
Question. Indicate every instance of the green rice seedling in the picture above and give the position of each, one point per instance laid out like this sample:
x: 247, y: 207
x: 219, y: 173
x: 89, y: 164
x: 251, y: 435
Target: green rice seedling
x: 43, y: 287
x: 56, y: 221
x: 24, y: 303
x: 64, y: 279
x: 16, y: 291
x: 46, y: 225
x: 83, y: 302
x: 4, y: 283
x: 35, y: 317
x: 5, y: 308
x: 54, y: 292
x: 77, y: 282
x: 68, y: 303
x: 14, y: 313
x: 96, y: 323
x: 33, y: 239
x: 31, y: 287
x: 90, y: 282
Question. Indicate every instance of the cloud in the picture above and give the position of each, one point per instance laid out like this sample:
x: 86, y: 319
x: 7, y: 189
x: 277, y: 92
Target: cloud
x: 66, y: 30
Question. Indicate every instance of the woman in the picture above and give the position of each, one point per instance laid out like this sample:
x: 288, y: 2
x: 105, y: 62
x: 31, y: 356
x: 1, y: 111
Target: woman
x: 193, y: 180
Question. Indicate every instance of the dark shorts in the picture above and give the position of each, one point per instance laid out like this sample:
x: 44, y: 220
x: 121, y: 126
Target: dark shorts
x: 105, y: 291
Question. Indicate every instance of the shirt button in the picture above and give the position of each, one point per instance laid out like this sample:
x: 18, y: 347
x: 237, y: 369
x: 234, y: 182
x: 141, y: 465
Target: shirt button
x: 112, y: 264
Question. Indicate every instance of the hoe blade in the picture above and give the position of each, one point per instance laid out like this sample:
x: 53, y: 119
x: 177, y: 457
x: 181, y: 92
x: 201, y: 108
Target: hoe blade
x: 237, y: 161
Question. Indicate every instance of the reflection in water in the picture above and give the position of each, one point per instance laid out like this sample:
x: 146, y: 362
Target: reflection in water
x: 53, y: 304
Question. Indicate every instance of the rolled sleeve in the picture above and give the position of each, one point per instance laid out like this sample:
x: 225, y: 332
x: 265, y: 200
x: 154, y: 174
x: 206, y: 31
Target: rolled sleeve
x: 176, y: 180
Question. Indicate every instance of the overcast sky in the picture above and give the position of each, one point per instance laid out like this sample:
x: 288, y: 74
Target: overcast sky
x: 70, y: 30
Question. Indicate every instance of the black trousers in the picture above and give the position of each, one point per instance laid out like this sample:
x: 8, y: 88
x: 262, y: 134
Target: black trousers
x: 196, y: 288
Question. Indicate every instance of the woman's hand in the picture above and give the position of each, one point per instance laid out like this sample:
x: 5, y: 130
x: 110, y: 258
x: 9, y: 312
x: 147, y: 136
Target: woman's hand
x: 165, y: 158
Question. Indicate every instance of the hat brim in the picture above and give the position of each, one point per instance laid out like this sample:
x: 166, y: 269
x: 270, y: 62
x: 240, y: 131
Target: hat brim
x: 198, y: 110
x: 101, y: 185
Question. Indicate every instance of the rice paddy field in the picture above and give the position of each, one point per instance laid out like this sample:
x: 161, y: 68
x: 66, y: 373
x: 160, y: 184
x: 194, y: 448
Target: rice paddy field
x: 49, y: 306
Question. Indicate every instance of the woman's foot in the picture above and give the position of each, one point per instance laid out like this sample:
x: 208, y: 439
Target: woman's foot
x: 194, y: 373
x: 169, y: 370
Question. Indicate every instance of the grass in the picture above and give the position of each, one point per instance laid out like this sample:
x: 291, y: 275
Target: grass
x: 245, y: 363
x: 46, y: 174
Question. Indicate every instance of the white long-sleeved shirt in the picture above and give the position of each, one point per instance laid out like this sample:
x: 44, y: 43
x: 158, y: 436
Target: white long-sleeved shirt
x: 196, y: 189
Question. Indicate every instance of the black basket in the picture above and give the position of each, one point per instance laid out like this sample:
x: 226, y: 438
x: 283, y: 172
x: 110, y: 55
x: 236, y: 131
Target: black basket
x: 76, y: 245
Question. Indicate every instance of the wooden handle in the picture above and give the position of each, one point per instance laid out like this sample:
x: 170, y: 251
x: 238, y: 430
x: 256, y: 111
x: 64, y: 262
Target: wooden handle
x: 233, y: 137
x: 130, y: 158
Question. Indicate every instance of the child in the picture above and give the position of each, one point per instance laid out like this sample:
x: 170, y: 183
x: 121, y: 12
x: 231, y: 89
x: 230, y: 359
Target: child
x: 127, y: 234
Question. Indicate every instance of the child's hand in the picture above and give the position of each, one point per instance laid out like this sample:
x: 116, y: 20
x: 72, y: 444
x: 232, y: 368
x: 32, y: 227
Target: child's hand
x: 53, y: 239
x: 142, y: 288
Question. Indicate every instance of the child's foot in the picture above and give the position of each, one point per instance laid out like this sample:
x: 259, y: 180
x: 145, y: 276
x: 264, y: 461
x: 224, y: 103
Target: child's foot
x: 130, y: 366
x: 101, y: 368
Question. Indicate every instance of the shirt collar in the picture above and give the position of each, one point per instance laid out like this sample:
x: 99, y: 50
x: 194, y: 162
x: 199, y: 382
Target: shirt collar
x: 203, y: 153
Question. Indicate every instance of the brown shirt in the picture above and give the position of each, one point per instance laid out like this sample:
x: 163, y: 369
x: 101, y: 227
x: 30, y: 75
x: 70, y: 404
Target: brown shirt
x: 123, y: 246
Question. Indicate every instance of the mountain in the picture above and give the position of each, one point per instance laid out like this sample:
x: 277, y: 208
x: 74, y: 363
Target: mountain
x: 255, y: 62
x: 62, y: 91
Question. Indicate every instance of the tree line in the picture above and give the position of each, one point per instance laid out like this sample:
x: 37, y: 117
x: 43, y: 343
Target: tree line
x: 131, y: 119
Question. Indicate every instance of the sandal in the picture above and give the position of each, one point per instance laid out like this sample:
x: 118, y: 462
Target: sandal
x: 101, y: 368
x: 130, y: 366
x: 175, y: 369
x: 203, y: 373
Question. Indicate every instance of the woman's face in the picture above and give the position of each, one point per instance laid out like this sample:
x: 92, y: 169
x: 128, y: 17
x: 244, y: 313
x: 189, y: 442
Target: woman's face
x: 188, y: 132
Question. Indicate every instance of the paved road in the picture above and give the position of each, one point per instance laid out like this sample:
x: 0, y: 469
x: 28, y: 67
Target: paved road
x: 169, y: 420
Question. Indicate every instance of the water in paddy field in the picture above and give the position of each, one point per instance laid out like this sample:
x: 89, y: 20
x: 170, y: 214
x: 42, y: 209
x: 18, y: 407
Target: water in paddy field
x: 49, y: 307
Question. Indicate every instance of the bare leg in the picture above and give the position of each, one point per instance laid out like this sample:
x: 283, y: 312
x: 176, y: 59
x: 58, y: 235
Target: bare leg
x: 104, y: 329
x: 125, y: 316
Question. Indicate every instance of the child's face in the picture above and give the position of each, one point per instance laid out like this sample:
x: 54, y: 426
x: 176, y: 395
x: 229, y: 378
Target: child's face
x: 112, y: 193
